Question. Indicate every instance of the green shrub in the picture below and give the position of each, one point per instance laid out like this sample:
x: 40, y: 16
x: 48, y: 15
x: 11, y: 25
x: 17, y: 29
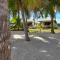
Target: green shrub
x: 39, y: 26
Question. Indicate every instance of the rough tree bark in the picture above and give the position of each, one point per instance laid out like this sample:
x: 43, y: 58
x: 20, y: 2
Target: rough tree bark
x: 25, y: 27
x: 4, y: 32
x: 52, y: 25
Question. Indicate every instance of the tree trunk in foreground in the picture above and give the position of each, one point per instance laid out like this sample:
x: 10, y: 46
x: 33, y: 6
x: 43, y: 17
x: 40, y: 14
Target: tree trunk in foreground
x: 25, y: 27
x: 5, y: 49
x: 4, y: 32
x: 52, y: 26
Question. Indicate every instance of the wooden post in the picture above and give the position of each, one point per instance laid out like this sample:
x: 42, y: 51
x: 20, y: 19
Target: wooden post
x: 5, y: 49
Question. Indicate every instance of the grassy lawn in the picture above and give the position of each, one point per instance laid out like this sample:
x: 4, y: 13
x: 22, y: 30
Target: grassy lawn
x: 34, y: 30
x: 44, y: 30
x: 57, y: 30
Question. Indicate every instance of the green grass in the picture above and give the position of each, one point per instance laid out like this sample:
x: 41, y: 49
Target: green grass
x: 34, y: 30
x: 44, y: 30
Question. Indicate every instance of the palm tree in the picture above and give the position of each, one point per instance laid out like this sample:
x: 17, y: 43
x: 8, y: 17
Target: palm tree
x: 12, y: 8
x: 16, y: 6
x: 5, y: 52
x: 23, y: 9
x: 49, y: 8
x: 52, y: 13
x: 26, y: 6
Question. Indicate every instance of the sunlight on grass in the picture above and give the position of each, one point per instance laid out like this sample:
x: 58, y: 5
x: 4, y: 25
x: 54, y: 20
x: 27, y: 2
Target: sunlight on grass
x: 57, y: 30
x: 44, y: 30
x: 39, y: 30
x: 34, y: 30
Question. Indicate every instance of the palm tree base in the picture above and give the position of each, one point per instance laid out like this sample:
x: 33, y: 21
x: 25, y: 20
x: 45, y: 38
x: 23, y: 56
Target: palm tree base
x: 28, y: 39
x: 52, y: 32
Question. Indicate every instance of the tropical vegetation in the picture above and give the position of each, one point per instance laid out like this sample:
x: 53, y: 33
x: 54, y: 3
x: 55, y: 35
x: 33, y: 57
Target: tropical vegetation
x: 45, y: 7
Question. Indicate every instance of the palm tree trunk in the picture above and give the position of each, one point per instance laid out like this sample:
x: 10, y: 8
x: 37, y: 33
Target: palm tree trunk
x: 18, y: 13
x: 19, y: 20
x: 34, y: 21
x: 4, y: 42
x: 25, y: 27
x: 52, y: 25
x: 5, y: 50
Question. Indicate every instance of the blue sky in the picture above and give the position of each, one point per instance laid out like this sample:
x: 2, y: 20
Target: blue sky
x: 48, y: 18
x: 58, y: 17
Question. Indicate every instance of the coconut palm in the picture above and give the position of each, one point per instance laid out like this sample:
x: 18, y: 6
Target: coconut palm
x: 16, y: 6
x: 50, y: 7
x: 12, y: 8
x: 5, y: 53
x: 25, y: 6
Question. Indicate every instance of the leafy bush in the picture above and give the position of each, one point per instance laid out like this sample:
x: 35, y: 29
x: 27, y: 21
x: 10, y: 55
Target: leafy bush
x: 16, y: 24
x: 39, y: 26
